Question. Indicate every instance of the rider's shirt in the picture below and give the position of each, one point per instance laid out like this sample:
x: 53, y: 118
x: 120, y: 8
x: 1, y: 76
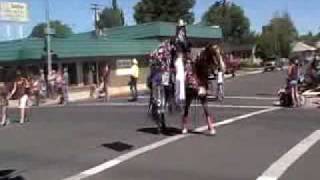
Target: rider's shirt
x: 161, y: 64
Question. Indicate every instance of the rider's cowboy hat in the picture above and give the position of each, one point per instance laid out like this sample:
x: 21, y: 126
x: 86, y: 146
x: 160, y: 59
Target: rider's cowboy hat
x: 134, y: 61
x: 181, y: 23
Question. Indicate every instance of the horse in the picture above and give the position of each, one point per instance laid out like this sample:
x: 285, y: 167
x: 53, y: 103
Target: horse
x: 197, y: 72
x: 160, y: 83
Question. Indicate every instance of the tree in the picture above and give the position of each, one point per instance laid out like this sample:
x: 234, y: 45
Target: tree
x: 230, y: 17
x: 310, y: 38
x: 111, y: 16
x: 249, y: 38
x: 61, y: 30
x: 277, y: 36
x: 164, y: 10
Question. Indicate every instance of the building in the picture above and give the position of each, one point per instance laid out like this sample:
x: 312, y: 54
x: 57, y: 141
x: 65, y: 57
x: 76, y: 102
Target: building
x: 87, y: 51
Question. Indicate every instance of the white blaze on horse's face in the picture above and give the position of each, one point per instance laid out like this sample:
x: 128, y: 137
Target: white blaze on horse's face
x: 213, y: 57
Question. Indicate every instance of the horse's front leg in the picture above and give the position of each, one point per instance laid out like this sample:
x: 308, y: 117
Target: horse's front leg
x: 209, y: 118
x: 189, y: 97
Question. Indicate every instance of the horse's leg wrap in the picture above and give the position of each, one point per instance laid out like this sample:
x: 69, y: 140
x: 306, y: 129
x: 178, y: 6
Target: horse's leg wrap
x: 209, y: 119
x: 184, y: 123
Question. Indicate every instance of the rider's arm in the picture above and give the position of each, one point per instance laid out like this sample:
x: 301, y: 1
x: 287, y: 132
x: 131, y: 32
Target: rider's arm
x: 13, y: 91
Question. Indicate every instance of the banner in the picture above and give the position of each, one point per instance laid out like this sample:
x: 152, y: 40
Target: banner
x: 14, y: 12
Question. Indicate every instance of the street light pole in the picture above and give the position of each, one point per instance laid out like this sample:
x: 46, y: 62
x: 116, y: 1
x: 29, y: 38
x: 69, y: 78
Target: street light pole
x: 48, y: 31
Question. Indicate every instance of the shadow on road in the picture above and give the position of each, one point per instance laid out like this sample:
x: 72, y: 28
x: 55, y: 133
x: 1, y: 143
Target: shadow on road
x: 170, y: 131
x: 11, y: 174
x: 118, y: 146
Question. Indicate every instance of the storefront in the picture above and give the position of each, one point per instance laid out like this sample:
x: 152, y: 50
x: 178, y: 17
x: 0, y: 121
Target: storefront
x: 85, y: 52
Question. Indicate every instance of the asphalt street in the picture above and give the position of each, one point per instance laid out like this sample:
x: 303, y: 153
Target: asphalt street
x: 83, y: 140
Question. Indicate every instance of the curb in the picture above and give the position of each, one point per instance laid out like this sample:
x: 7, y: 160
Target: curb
x: 119, y: 91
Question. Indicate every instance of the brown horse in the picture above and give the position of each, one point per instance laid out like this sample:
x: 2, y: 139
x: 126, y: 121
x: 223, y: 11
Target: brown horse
x: 197, y: 73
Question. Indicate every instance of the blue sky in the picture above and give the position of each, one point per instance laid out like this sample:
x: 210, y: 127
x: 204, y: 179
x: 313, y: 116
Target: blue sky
x: 78, y: 15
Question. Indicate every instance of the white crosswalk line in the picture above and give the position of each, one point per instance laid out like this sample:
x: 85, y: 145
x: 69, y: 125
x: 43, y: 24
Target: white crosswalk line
x: 278, y: 168
x: 125, y: 157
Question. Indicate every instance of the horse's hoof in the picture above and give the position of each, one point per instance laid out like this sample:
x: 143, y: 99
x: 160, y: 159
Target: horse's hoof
x: 184, y: 131
x: 212, y: 132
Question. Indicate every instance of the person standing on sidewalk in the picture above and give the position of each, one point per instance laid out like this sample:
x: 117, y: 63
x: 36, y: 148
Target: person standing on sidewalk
x: 51, y: 83
x: 22, y: 91
x: 66, y: 85
x: 4, y: 104
x: 60, y: 83
x: 43, y: 85
x: 220, y: 85
x: 293, y: 77
x: 106, y: 81
x: 133, y: 80
x: 36, y: 86
x: 92, y: 86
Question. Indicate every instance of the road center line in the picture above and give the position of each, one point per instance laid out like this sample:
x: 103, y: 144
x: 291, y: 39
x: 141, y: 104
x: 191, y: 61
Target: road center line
x: 249, y: 97
x: 127, y: 104
x: 231, y: 97
x: 125, y: 157
x: 124, y: 104
x: 278, y: 168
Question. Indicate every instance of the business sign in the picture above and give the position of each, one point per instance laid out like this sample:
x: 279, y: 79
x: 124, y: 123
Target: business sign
x: 14, y: 12
x: 123, y: 67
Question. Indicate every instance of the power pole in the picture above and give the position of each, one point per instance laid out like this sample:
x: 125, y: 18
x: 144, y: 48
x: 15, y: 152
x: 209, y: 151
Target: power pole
x: 95, y: 7
x: 48, y: 33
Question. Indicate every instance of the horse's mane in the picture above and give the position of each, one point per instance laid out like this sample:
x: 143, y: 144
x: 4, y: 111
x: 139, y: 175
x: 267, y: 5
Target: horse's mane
x: 205, y: 63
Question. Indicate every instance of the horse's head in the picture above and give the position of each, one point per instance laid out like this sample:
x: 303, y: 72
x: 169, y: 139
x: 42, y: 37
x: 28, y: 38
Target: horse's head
x: 210, y: 56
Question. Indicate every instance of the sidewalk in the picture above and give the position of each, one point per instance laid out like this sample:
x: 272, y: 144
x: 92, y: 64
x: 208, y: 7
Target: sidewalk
x: 77, y: 95
x: 84, y: 94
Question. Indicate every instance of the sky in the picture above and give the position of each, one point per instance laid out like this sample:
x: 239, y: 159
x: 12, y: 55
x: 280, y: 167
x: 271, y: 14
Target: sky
x: 78, y: 15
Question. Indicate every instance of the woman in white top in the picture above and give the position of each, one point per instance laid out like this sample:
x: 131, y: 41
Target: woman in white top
x: 220, y: 86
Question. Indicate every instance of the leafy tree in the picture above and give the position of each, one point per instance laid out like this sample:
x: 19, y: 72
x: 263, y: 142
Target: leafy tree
x: 249, y: 38
x: 277, y: 36
x: 111, y: 16
x: 61, y: 30
x: 310, y: 38
x: 230, y: 17
x: 164, y: 10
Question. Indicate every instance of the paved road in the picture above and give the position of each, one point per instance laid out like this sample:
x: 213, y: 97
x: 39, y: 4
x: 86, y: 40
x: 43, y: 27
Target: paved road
x: 62, y: 142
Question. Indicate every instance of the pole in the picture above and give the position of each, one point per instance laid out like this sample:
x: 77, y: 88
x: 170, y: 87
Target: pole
x: 49, y: 59
x: 95, y: 8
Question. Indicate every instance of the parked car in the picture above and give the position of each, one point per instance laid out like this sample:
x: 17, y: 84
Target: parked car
x: 269, y: 64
